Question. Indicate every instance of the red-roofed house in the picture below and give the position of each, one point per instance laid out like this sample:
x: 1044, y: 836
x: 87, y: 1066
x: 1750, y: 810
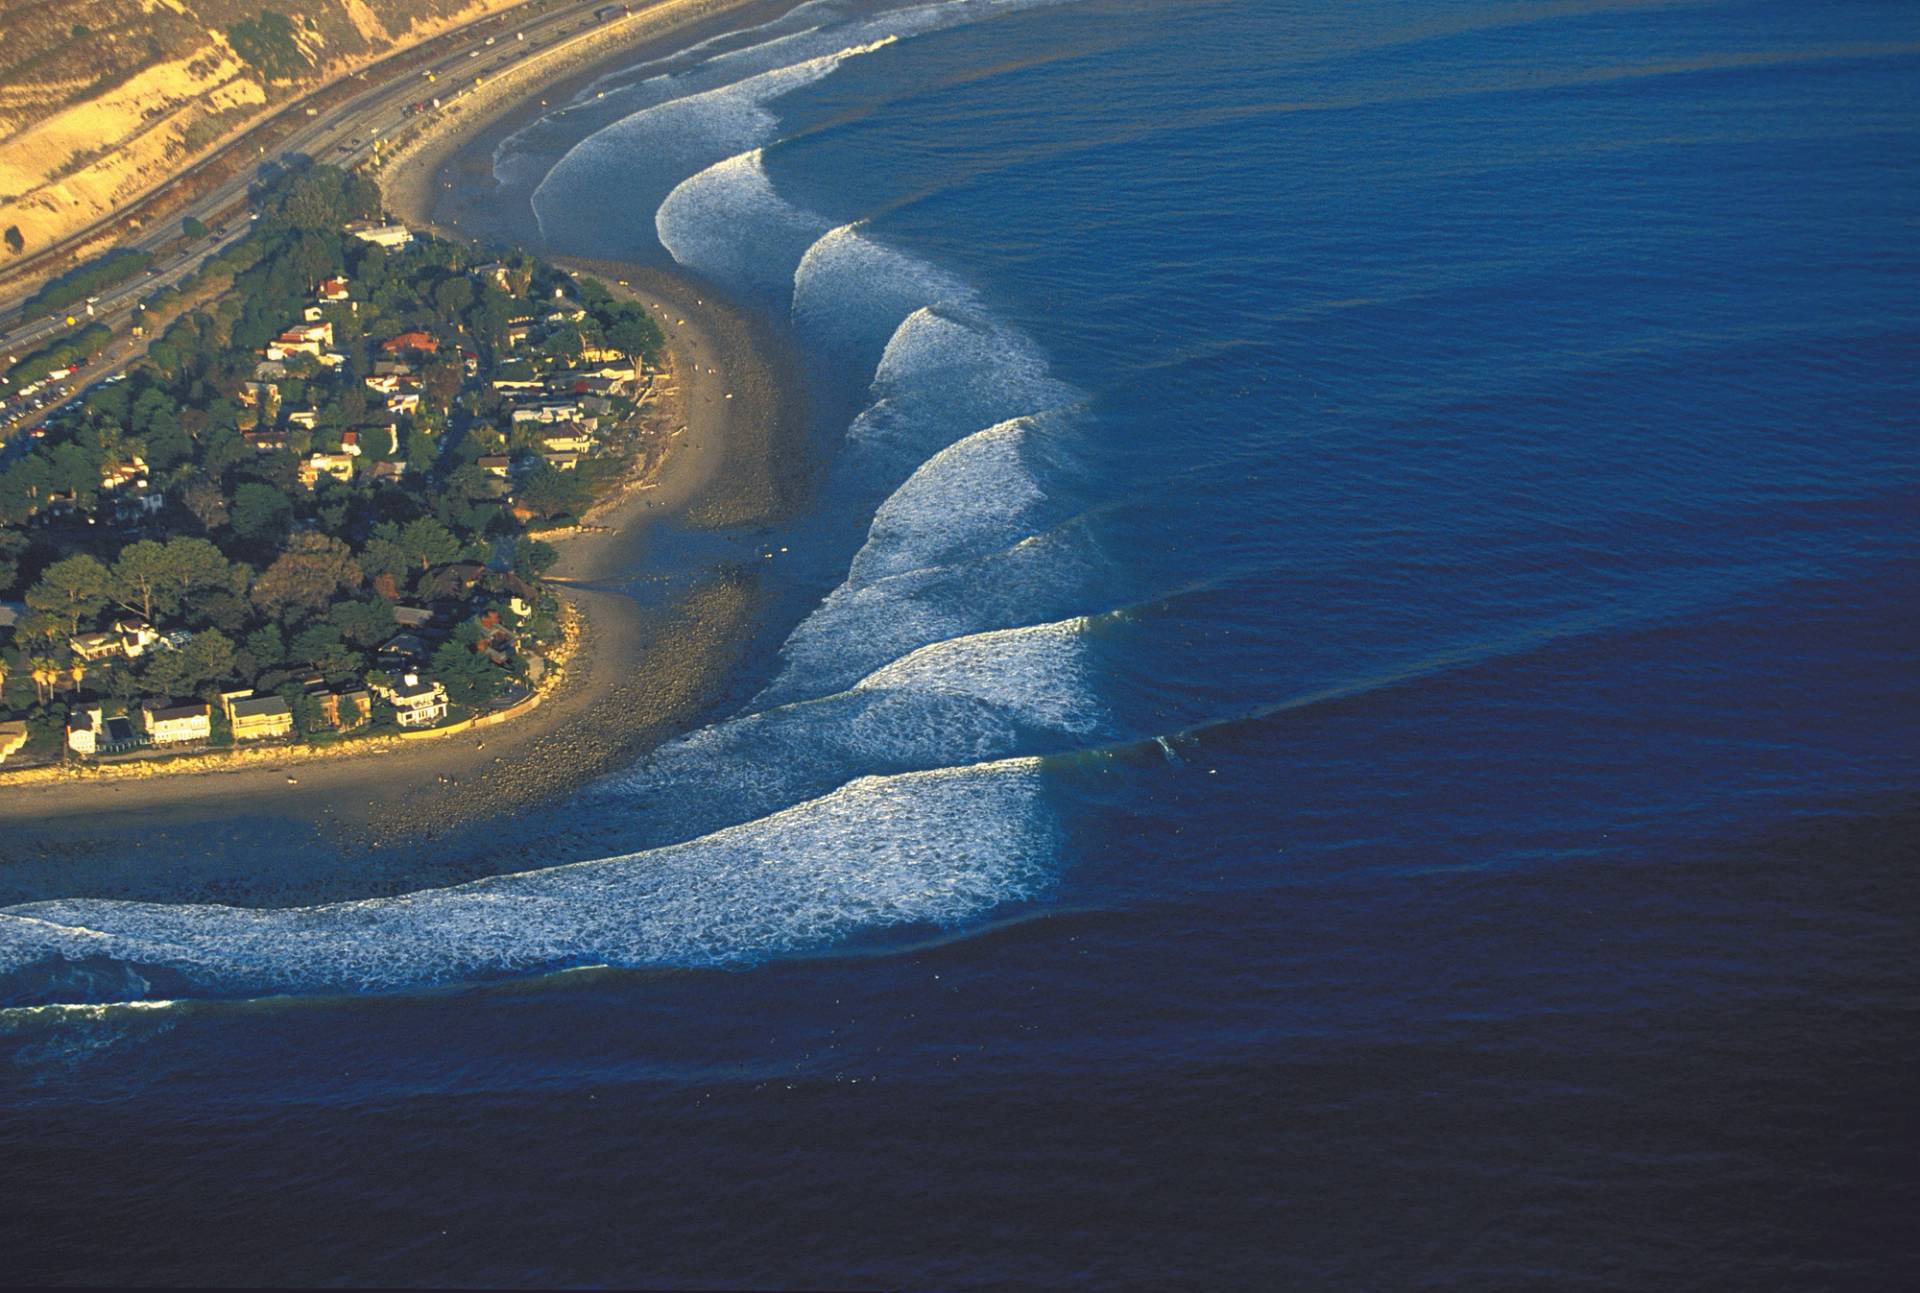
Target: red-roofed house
x: 413, y: 342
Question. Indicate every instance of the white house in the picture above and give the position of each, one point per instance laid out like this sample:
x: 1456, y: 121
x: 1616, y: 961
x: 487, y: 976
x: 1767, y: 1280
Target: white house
x: 415, y: 703
x: 380, y: 234
x: 84, y: 727
x: 177, y: 724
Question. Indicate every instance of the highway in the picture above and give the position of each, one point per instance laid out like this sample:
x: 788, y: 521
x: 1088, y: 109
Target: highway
x: 344, y: 135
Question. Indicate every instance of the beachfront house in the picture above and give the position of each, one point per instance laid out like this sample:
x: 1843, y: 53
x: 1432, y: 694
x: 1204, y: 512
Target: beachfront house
x: 388, y: 382
x: 548, y: 411
x: 119, y: 475
x: 416, y: 703
x: 499, y: 273
x: 569, y: 437
x: 136, y: 637
x: 312, y: 339
x: 345, y: 710
x: 177, y: 724
x: 256, y: 718
x: 13, y: 738
x: 86, y: 725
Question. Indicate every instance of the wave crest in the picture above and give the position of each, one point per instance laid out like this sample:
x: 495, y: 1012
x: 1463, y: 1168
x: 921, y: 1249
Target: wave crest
x: 920, y: 847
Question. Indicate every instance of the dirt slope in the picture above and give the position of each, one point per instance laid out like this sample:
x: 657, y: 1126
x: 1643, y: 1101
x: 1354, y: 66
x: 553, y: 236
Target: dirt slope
x: 100, y: 100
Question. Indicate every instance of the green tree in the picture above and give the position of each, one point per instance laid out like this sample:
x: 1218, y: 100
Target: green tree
x: 428, y: 543
x: 72, y: 590
x: 469, y: 677
x: 552, y: 493
x: 13, y: 546
x: 421, y: 449
x: 384, y: 555
x: 304, y: 578
x: 155, y: 578
x: 533, y: 558
x: 208, y: 659
x: 451, y: 297
x: 261, y: 513
x: 636, y: 336
x: 266, y: 645
x: 442, y: 381
x: 207, y: 501
x: 365, y: 624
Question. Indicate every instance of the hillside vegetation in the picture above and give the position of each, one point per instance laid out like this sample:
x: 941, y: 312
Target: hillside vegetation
x: 100, y: 100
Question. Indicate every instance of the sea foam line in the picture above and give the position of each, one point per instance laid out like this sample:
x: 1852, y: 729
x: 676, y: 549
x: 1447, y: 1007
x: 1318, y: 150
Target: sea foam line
x: 933, y: 847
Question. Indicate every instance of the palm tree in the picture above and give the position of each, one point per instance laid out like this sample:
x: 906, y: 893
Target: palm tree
x: 46, y: 672
x: 77, y: 670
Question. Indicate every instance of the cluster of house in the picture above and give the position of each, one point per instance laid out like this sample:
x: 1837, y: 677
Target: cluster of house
x: 128, y: 639
x: 394, y: 381
x: 250, y: 717
x: 126, y: 489
x: 562, y: 410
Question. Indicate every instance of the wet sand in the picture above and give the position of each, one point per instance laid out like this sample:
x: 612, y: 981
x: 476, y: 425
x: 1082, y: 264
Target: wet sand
x: 643, y: 669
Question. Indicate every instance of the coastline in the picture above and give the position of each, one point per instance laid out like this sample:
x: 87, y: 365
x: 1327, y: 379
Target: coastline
x: 637, y: 674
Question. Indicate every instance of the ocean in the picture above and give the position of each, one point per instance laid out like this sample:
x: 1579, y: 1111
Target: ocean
x: 1341, y: 713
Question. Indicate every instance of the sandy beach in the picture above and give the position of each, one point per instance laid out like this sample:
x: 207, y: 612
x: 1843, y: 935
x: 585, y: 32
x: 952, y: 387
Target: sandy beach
x: 642, y: 670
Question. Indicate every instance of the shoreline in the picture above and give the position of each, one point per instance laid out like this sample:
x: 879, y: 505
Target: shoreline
x: 636, y: 674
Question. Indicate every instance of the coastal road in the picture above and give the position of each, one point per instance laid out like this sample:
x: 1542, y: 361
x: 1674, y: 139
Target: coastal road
x: 345, y: 135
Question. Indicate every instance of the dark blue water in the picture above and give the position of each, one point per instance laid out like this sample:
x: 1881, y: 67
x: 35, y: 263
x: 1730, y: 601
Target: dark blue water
x: 1347, y: 717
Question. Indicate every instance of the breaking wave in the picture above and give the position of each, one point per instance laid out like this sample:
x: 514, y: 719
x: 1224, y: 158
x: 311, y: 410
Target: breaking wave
x: 728, y: 223
x: 672, y: 124
x: 680, y: 136
x: 1027, y: 691
x: 861, y: 628
x: 944, y: 375
x: 851, y: 291
x: 924, y: 847
x: 979, y: 495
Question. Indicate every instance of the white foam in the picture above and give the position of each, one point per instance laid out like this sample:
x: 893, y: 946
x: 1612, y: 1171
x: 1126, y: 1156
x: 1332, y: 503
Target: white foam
x: 851, y: 290
x: 1039, y: 671
x: 1021, y: 691
x: 945, y: 375
x: 935, y: 847
x: 728, y: 222
x: 689, y: 120
x: 684, y: 134
x: 973, y: 497
x: 860, y: 628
